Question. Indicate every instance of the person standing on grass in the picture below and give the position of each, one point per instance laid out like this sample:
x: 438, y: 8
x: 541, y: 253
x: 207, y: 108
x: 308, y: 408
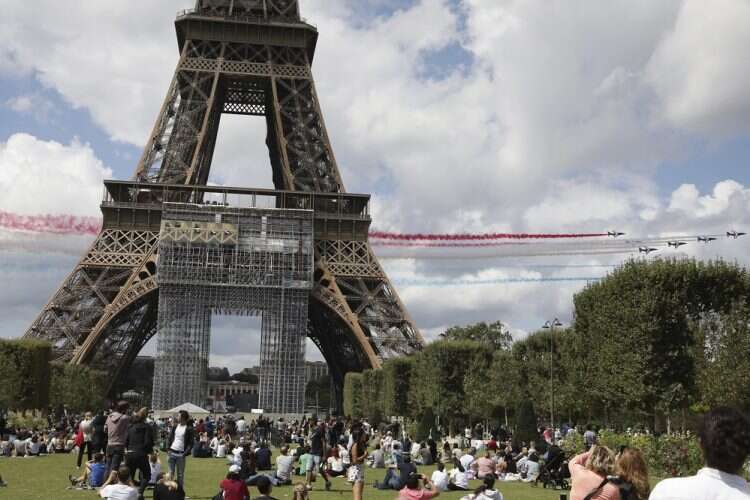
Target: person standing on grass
x: 725, y: 442
x: 317, y: 450
x: 116, y: 428
x: 356, y: 472
x: 181, y: 439
x: 139, y: 445
x: 98, y: 433
x: 85, y: 429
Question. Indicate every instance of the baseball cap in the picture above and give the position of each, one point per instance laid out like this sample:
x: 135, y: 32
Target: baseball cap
x: 234, y: 469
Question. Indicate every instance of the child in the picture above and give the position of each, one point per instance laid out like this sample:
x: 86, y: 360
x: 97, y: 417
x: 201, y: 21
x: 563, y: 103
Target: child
x: 153, y: 461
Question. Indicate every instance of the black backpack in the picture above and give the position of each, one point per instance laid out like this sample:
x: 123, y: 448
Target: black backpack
x: 621, y: 485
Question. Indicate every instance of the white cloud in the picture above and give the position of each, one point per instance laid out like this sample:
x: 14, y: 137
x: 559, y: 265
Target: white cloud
x: 46, y: 177
x: 560, y: 123
x: 35, y: 105
x: 701, y: 70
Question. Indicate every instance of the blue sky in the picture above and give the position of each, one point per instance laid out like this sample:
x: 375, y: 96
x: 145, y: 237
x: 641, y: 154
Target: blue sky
x: 468, y: 116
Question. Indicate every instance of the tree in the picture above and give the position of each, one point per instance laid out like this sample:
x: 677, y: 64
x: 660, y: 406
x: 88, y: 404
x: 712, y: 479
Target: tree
x: 635, y: 331
x: 353, y: 395
x: 723, y: 344
x: 216, y: 374
x: 24, y: 374
x: 77, y: 387
x: 526, y: 423
x: 494, y: 334
x: 246, y: 375
x: 442, y: 367
x: 397, y: 381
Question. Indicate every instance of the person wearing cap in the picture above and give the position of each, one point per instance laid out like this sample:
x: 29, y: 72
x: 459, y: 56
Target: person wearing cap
x: 233, y: 486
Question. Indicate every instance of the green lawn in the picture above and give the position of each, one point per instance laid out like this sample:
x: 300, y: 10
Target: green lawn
x: 45, y: 478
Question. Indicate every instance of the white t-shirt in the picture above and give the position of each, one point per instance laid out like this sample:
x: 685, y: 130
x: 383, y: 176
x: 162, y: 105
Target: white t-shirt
x: 459, y: 478
x: 155, y: 471
x: 119, y: 492
x: 335, y: 464
x: 284, y: 466
x: 708, y: 484
x: 221, y: 450
x: 241, y: 426
x: 466, y: 461
x: 440, y: 480
x: 179, y: 438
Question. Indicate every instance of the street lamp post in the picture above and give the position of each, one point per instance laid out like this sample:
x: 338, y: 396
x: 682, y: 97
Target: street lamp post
x: 550, y: 325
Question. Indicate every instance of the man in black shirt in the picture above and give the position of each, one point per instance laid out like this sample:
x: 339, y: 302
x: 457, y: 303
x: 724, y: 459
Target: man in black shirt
x: 317, y: 450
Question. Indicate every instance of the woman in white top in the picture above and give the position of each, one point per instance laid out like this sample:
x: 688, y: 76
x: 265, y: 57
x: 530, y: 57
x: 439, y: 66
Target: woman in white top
x: 458, y: 479
x: 335, y: 466
x: 86, y: 429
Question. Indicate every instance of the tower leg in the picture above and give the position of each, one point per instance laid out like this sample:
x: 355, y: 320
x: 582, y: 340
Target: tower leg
x: 182, y: 349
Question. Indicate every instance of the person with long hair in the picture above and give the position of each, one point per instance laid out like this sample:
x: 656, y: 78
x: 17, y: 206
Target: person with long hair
x: 588, y: 475
x: 300, y: 492
x: 356, y: 471
x: 632, y: 472
x: 168, y: 489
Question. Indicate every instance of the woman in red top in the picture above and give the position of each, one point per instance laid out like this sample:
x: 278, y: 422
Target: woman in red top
x: 233, y: 487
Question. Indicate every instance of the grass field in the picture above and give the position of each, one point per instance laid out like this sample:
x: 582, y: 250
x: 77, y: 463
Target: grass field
x: 45, y: 478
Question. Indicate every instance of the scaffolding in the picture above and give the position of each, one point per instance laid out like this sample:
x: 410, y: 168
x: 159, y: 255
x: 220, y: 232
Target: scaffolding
x: 216, y: 259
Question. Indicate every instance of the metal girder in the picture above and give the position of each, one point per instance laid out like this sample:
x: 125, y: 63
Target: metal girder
x: 249, y: 57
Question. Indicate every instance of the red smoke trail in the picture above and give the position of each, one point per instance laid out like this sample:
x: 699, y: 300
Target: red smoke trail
x: 56, y: 224
x: 486, y: 236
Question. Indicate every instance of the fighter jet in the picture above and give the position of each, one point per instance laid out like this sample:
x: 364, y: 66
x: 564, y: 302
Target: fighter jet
x: 734, y: 234
x: 647, y: 250
x: 675, y: 244
x: 615, y: 234
x: 706, y: 239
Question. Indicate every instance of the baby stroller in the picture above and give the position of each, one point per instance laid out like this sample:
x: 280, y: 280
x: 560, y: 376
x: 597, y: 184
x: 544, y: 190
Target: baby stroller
x: 554, y: 473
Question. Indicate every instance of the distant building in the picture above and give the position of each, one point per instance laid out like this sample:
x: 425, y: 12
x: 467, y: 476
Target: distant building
x: 315, y: 370
x: 221, y: 394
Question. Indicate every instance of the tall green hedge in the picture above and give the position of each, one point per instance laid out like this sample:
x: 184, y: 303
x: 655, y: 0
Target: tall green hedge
x: 77, y: 387
x: 397, y: 374
x: 24, y: 374
x: 353, y: 395
x: 372, y: 396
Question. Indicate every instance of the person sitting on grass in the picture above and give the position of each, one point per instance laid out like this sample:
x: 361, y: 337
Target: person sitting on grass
x: 378, y: 458
x: 724, y: 439
x: 263, y: 457
x: 284, y: 467
x: 93, y: 475
x: 233, y: 486
x: 532, y: 468
x: 394, y: 480
x: 458, y: 478
x: 413, y: 491
x: 440, y: 478
x: 264, y: 487
x: 168, y: 489
x: 335, y: 466
x: 122, y: 490
x: 155, y: 466
x: 485, y: 491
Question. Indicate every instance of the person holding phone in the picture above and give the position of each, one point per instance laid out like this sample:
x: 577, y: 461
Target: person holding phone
x: 418, y: 487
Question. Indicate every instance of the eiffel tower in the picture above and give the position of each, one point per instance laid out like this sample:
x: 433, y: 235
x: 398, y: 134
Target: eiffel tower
x: 243, y: 57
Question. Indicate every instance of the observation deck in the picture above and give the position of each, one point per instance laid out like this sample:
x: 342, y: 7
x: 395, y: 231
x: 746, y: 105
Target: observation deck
x: 135, y: 205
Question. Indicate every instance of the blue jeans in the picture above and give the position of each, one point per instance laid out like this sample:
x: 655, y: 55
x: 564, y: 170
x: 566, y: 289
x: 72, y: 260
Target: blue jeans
x: 392, y: 480
x: 177, y: 463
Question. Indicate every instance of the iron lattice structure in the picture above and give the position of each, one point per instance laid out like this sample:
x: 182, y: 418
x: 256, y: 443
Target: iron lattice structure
x: 247, y: 57
x: 246, y: 261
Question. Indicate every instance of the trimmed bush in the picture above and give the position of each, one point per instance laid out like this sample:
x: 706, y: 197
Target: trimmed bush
x: 25, y: 374
x: 353, y: 395
x: 397, y: 374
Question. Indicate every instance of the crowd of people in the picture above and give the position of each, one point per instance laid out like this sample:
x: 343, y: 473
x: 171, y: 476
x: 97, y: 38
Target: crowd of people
x: 124, y: 451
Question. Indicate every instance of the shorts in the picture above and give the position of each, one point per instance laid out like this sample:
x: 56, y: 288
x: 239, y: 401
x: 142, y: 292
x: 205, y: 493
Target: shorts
x: 314, y: 463
x: 355, y: 474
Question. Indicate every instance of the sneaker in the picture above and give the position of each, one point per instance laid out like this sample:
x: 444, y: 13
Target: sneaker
x: 3, y: 484
x: 328, y: 486
x: 308, y: 487
x: 72, y: 480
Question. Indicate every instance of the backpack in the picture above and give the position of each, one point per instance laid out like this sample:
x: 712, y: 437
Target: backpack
x: 623, y: 486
